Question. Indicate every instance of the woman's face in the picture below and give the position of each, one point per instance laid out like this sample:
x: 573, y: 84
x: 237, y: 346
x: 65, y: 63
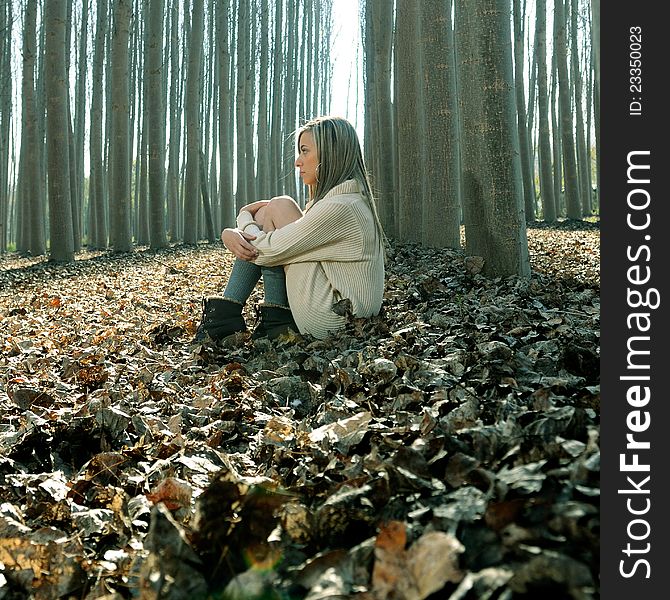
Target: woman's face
x: 307, y: 160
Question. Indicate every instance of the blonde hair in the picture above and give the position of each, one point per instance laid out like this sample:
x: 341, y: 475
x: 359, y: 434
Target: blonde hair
x: 340, y: 159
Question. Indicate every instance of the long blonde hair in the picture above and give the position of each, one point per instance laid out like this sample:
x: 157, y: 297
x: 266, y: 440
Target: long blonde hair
x: 340, y: 159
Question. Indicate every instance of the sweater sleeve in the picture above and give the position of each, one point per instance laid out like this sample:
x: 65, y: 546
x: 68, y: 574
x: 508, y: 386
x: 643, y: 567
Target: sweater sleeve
x: 329, y: 231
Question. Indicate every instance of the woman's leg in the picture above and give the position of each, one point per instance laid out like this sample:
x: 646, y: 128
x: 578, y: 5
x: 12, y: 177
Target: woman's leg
x: 280, y: 211
x: 243, y: 278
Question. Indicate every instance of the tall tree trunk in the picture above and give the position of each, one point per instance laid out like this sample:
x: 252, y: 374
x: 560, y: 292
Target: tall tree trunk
x: 595, y: 45
x: 119, y: 153
x: 276, y: 145
x: 546, y: 181
x: 175, y: 129
x: 495, y: 227
x: 440, y: 200
x: 556, y: 140
x: 580, y: 136
x: 156, y: 133
x: 263, y: 93
x: 6, y: 90
x: 249, y: 95
x: 380, y: 111
x: 80, y: 110
x: 570, y: 180
x: 192, y: 183
x: 242, y: 164
x: 519, y: 83
x: 409, y: 120
x: 31, y: 182
x: 227, y: 200
x: 291, y: 91
x: 97, y: 209
x: 60, y: 202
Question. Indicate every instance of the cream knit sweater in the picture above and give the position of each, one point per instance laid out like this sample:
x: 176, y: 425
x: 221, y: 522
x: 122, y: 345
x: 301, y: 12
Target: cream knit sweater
x: 333, y: 252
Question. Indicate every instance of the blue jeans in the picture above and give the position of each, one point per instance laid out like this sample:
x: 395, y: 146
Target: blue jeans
x: 244, y: 277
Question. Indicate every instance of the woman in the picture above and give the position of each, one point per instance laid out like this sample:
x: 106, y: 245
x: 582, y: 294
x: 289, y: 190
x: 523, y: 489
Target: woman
x: 312, y: 260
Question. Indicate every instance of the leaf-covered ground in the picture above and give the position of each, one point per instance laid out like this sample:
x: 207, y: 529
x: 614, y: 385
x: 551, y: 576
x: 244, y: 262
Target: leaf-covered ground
x: 448, y: 448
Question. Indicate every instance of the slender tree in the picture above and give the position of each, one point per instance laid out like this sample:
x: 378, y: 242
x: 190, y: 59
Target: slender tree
x: 570, y: 179
x: 119, y: 153
x: 583, y: 160
x: 193, y: 133
x: 6, y: 90
x: 156, y: 133
x: 519, y: 9
x: 80, y: 112
x: 441, y: 173
x: 58, y: 161
x: 32, y: 239
x: 409, y: 120
x: 379, y: 109
x: 495, y: 226
x: 97, y: 210
x: 546, y: 181
x: 226, y: 202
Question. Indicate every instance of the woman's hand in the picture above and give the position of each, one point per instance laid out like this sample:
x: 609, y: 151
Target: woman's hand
x: 254, y: 206
x: 238, y: 243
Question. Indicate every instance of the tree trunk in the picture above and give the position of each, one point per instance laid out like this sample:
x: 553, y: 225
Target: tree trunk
x: 175, y: 129
x: 276, y: 145
x: 524, y: 146
x: 31, y: 182
x: 6, y: 90
x: 580, y: 135
x: 80, y: 109
x: 227, y: 200
x: 492, y: 193
x: 440, y: 200
x: 97, y: 223
x: 192, y: 113
x: 241, y: 197
x: 58, y: 159
x: 263, y: 92
x: 556, y: 141
x: 546, y: 182
x: 380, y: 111
x: 119, y: 159
x: 570, y: 180
x: 409, y: 120
x: 156, y: 133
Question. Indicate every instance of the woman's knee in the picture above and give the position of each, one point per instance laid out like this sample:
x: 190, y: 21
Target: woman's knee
x: 282, y: 210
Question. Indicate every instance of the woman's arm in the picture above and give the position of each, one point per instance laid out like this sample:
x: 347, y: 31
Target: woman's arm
x: 239, y: 244
x: 254, y: 206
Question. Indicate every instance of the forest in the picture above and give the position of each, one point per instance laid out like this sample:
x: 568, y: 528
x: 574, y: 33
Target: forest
x: 446, y: 448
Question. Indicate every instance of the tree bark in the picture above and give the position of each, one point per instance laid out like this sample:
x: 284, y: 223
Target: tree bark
x: 156, y: 134
x: 409, y: 121
x: 192, y: 183
x: 570, y: 179
x: 524, y: 146
x: 31, y: 182
x: 227, y: 200
x: 495, y: 227
x: 97, y: 224
x: 549, y: 204
x: 57, y: 130
x: 119, y: 159
x: 440, y: 201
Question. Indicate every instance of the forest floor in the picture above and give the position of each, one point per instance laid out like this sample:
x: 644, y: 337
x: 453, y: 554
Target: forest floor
x: 447, y: 448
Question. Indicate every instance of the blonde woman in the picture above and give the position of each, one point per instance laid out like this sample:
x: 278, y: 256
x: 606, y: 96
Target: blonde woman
x: 309, y: 260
